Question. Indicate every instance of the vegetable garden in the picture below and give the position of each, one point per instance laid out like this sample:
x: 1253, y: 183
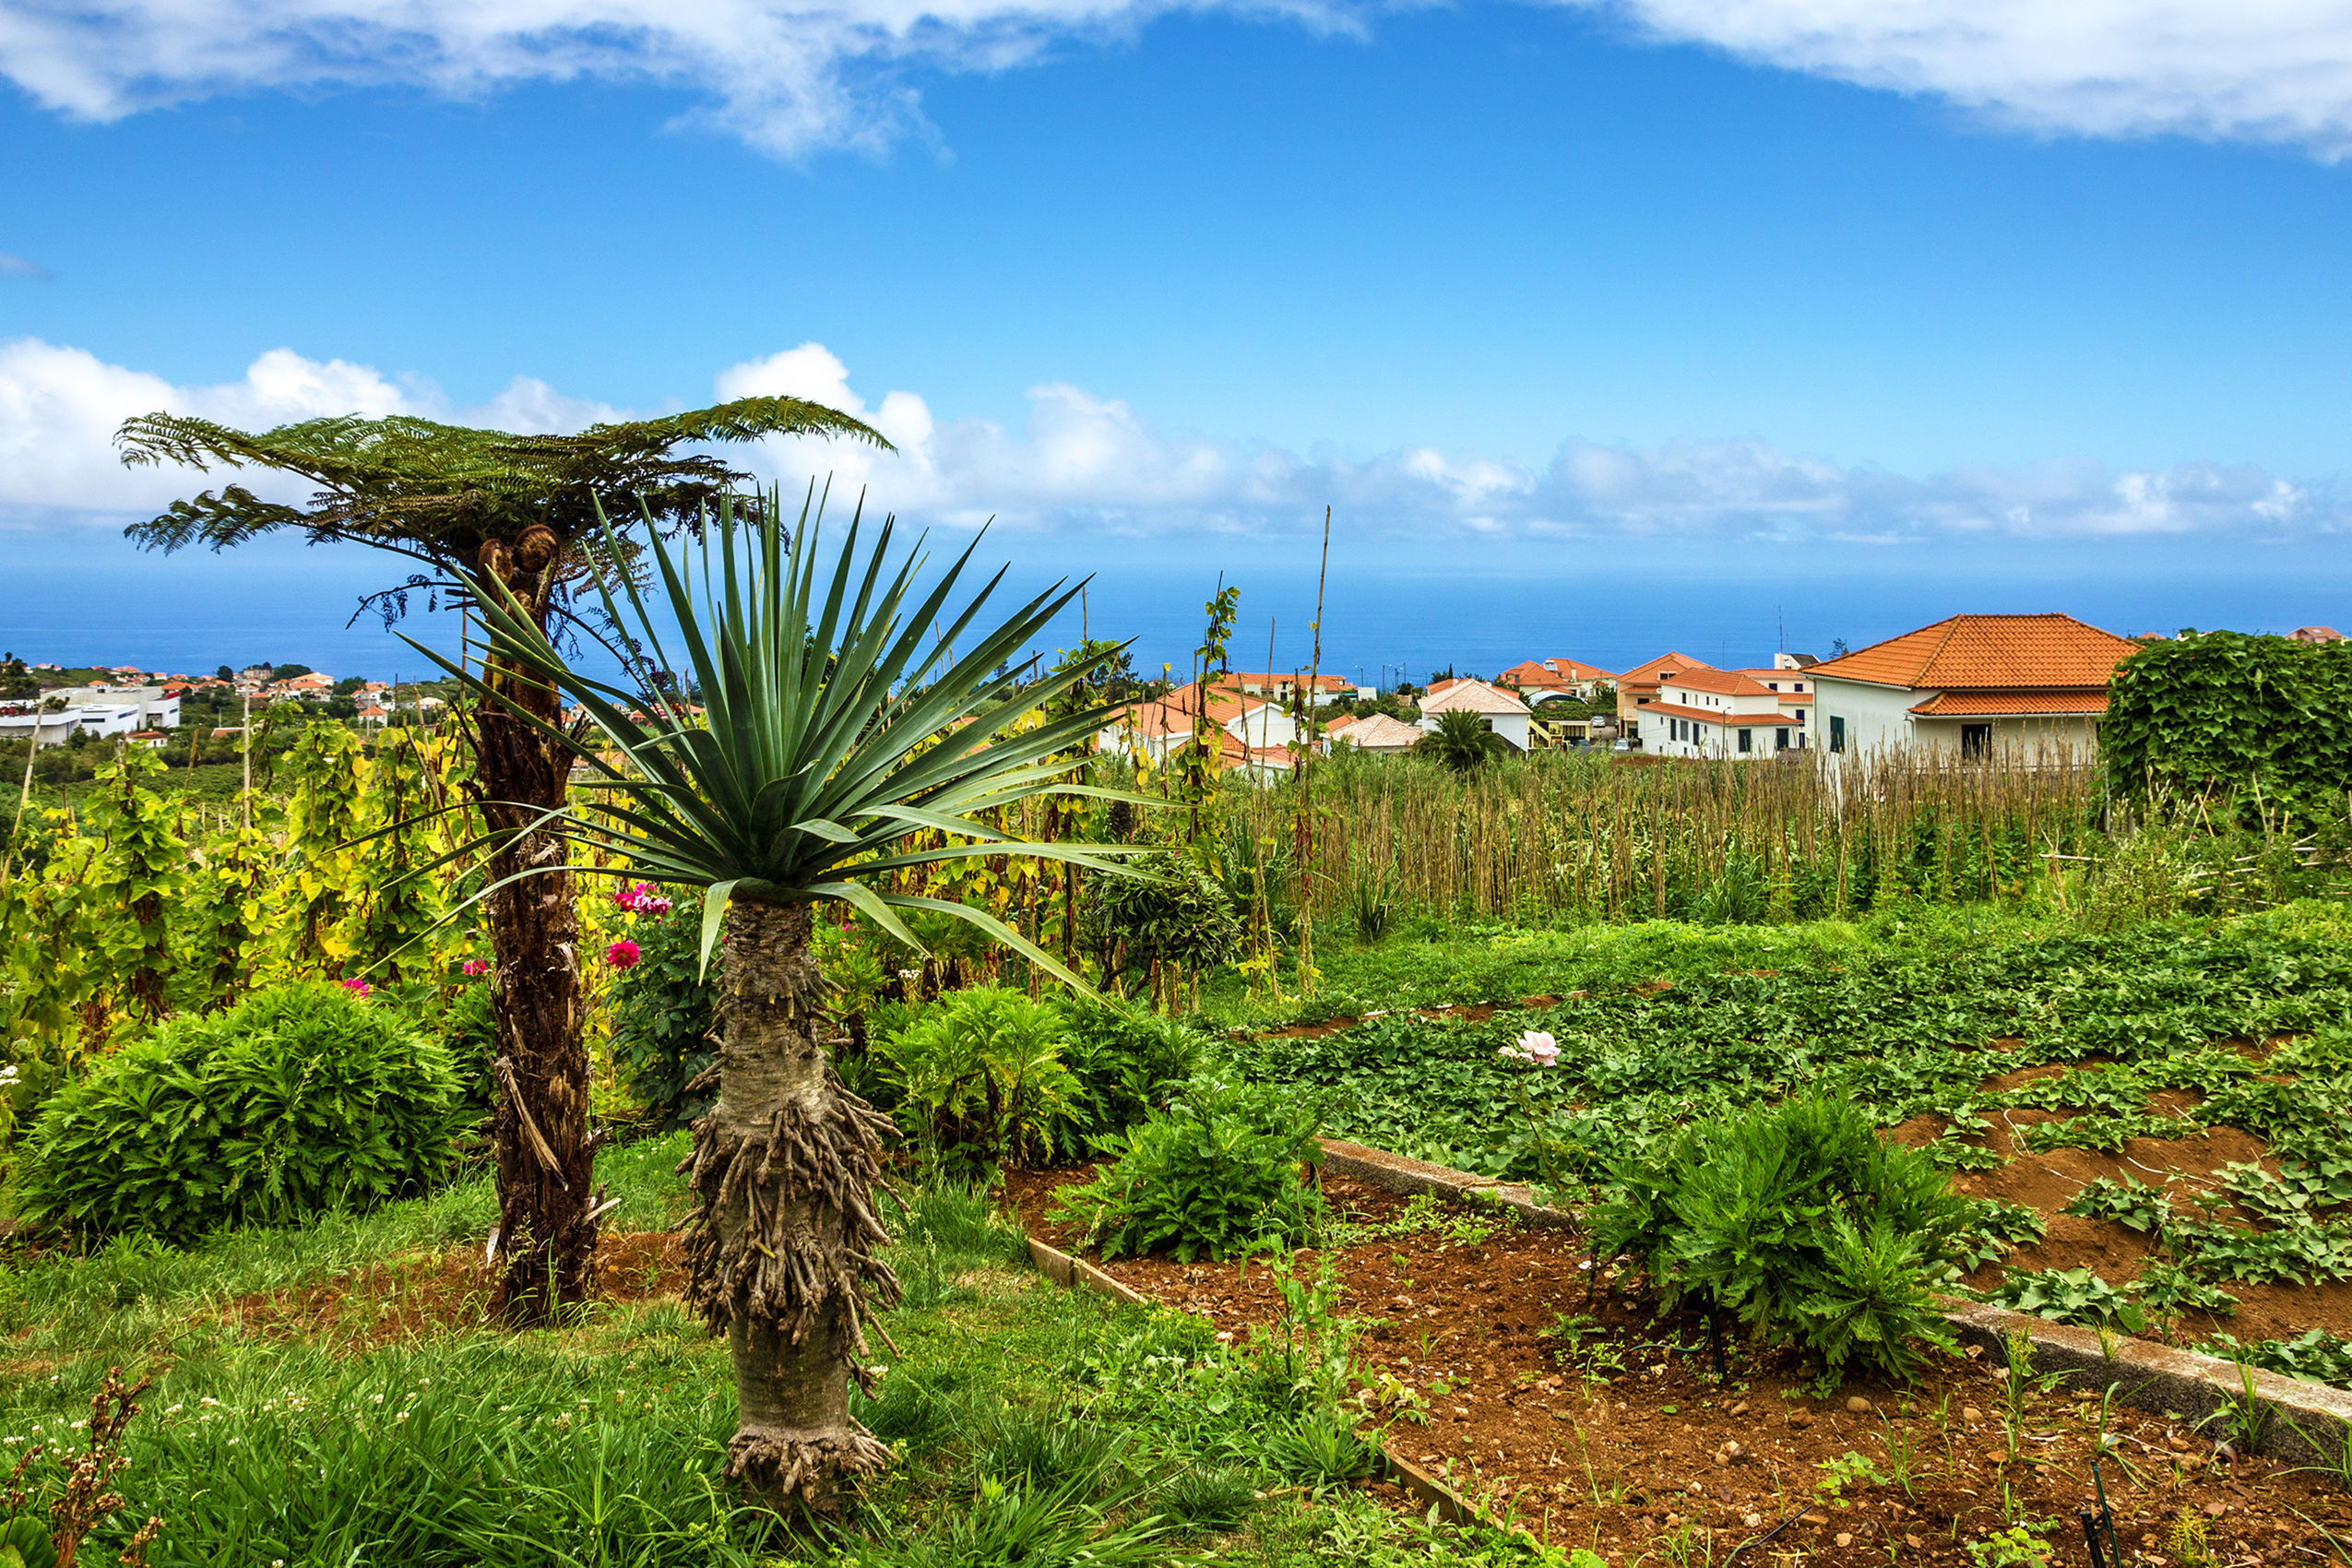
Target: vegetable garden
x: 401, y: 1172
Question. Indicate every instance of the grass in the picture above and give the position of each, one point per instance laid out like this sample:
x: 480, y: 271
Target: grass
x: 1032, y: 1423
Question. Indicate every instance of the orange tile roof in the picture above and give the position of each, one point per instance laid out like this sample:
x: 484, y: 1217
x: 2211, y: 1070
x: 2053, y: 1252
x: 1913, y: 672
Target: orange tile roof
x: 1553, y: 673
x: 1473, y: 696
x: 1954, y: 705
x: 1380, y: 732
x: 1648, y: 673
x: 1728, y: 682
x: 1988, y: 653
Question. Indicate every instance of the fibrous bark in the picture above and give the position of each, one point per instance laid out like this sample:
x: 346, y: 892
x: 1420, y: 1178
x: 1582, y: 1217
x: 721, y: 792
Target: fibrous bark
x: 783, y: 1243
x: 546, y: 1238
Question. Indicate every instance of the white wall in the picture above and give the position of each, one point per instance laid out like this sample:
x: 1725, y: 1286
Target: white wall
x: 1512, y: 727
x: 1879, y: 719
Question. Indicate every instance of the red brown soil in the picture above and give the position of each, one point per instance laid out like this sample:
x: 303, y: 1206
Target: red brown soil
x: 1615, y: 1457
x: 2048, y: 1181
x: 424, y: 1294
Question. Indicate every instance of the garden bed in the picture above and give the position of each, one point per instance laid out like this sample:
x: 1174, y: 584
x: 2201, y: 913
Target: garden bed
x: 1598, y: 1426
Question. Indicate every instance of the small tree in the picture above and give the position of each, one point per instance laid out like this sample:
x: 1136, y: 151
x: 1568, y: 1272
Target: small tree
x: 828, y: 733
x: 1461, y: 742
x: 494, y: 518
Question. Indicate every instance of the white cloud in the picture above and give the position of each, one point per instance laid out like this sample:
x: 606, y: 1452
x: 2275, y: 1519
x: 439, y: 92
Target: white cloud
x: 785, y: 75
x: 791, y: 75
x: 17, y: 267
x: 2273, y: 71
x: 1090, y: 465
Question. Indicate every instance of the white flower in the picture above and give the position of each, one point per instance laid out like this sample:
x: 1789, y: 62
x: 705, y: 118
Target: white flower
x: 1538, y: 1048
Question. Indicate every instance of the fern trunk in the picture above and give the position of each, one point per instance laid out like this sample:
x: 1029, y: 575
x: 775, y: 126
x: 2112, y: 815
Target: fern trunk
x: 783, y: 1243
x: 546, y: 1238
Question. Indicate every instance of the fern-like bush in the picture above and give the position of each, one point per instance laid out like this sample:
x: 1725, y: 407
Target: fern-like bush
x: 1797, y: 1220
x: 301, y: 1099
x: 1219, y: 1171
x: 977, y: 1080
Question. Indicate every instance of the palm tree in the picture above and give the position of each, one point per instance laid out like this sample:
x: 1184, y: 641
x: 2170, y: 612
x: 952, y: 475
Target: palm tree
x: 836, y: 722
x: 1461, y: 741
x: 490, y: 515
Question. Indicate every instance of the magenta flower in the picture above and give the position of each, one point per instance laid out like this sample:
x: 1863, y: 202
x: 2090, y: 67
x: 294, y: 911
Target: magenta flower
x: 358, y: 985
x: 472, y: 967
x: 642, y: 898
x: 622, y: 954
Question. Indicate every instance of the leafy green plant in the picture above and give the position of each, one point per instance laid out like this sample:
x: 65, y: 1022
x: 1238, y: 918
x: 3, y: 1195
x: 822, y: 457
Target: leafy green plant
x: 2068, y: 1295
x: 2129, y: 1202
x: 2171, y: 1289
x: 1173, y: 920
x: 1215, y: 1174
x: 980, y: 1080
x: 1800, y: 1221
x: 301, y: 1099
x: 2317, y: 1355
x: 1994, y: 1229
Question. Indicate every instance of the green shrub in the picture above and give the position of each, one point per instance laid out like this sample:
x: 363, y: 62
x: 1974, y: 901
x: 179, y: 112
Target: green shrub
x: 1214, y: 1175
x: 303, y: 1099
x: 662, y: 1009
x: 1125, y: 1064
x: 979, y: 1080
x: 1800, y: 1221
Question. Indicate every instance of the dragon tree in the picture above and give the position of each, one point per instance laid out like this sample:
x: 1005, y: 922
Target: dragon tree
x: 508, y: 524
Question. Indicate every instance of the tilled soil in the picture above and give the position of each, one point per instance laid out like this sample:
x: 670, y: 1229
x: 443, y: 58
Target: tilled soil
x: 1627, y: 1441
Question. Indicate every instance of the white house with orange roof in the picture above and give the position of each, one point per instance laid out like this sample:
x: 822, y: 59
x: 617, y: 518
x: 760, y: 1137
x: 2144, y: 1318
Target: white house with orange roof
x: 1540, y: 681
x: 1723, y: 714
x: 1504, y: 714
x: 1257, y: 732
x: 1637, y: 688
x: 1373, y: 732
x: 1970, y: 685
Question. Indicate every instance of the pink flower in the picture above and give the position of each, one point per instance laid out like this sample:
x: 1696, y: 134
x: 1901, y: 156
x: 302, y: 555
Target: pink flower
x: 622, y: 954
x: 472, y: 967
x: 1535, y: 1048
x: 358, y: 985
x: 642, y: 898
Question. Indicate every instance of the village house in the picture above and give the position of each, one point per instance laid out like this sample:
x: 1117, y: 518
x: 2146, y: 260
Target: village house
x: 1726, y: 713
x: 1637, y: 688
x: 1282, y: 687
x: 99, y: 709
x: 1539, y: 681
x: 1374, y: 732
x: 1254, y: 732
x: 1504, y: 714
x: 1970, y: 685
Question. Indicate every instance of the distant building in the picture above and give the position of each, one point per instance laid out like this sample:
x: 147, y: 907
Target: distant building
x: 97, y: 710
x: 1723, y: 713
x: 2316, y: 635
x: 1504, y: 715
x: 1637, y: 688
x: 1376, y: 732
x: 1970, y: 685
x: 1539, y: 681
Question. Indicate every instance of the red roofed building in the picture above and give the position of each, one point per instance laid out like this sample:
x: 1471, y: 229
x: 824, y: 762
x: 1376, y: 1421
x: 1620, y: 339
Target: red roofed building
x: 1637, y: 688
x: 1254, y: 732
x: 1969, y: 684
x: 1743, y: 715
x: 1539, y: 681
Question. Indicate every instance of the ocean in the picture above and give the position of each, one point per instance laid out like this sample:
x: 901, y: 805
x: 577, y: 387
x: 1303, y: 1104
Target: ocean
x: 92, y: 598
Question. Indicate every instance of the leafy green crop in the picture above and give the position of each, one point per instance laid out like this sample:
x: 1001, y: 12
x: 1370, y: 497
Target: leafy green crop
x: 1800, y: 1221
x: 302, y: 1099
x: 1214, y: 1175
x: 2069, y: 1295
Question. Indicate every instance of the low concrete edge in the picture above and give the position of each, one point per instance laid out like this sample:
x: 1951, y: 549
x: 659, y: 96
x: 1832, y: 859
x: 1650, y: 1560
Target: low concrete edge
x: 2301, y: 1421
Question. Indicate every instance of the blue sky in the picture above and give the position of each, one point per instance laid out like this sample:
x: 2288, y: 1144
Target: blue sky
x: 1525, y: 288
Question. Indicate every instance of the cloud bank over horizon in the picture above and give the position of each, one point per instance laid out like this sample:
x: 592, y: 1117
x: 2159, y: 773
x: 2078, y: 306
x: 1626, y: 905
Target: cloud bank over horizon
x: 1089, y: 467
x: 788, y: 77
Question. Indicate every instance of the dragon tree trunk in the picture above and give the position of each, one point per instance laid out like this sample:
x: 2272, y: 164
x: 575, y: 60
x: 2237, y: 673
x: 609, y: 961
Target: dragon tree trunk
x: 782, y: 1243
x: 546, y: 1242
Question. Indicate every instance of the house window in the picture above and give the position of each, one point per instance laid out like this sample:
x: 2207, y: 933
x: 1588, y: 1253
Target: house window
x: 1747, y: 740
x: 1837, y: 732
x: 1976, y: 740
x: 1780, y: 740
